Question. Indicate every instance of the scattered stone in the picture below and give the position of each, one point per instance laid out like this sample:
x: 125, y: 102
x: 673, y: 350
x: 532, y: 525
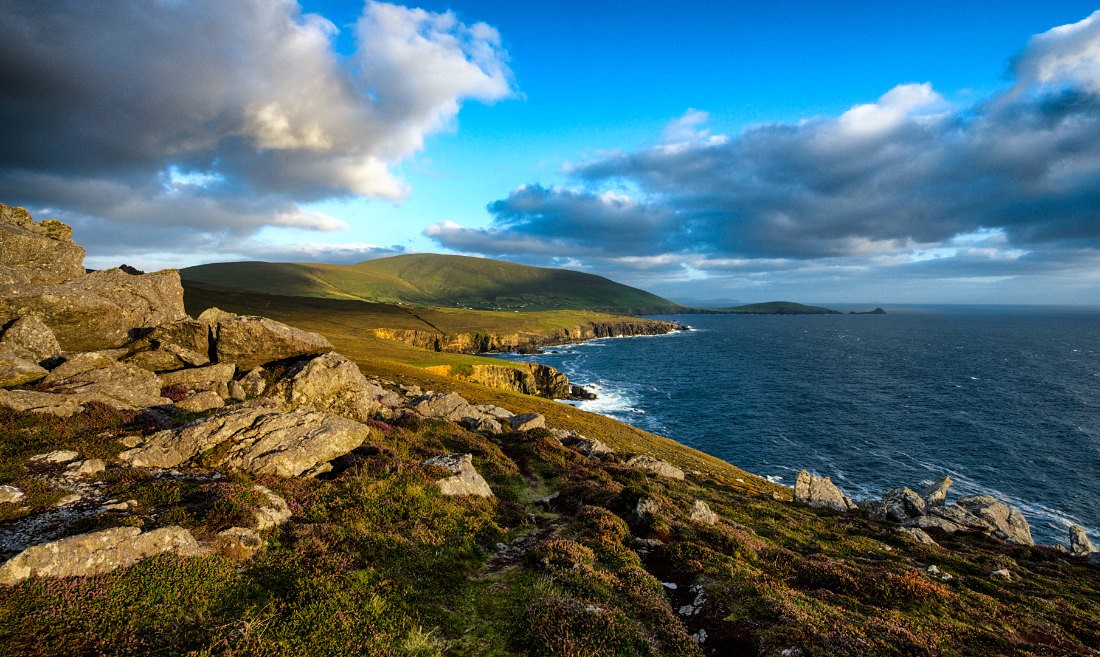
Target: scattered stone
x: 274, y: 513
x: 411, y: 391
x: 11, y: 495
x: 132, y: 440
x: 119, y: 506
x: 592, y: 447
x: 200, y: 402
x: 1079, y: 543
x: 646, y: 506
x: 700, y: 636
x: 873, y: 509
x: 820, y: 492
x: 214, y: 378
x: 249, y: 341
x: 918, y: 535
x: 15, y: 370
x: 655, y: 466
x: 1002, y: 574
x: 258, y: 439
x: 1006, y: 520
x: 57, y: 456
x: 936, y: 494
x: 32, y: 336
x: 528, y: 421
x: 700, y: 512
x: 903, y: 503
x: 238, y: 543
x: 68, y: 500
x: 935, y: 572
x: 87, y: 468
x: 466, y: 480
x: 97, y: 553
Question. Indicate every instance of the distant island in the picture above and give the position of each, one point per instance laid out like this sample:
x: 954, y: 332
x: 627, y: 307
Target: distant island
x: 876, y: 311
x: 769, y: 308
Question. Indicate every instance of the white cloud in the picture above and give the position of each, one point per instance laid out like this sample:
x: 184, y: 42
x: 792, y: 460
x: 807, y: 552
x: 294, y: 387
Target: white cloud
x: 1068, y: 54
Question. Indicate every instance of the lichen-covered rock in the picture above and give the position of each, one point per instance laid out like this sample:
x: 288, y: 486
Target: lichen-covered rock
x: 700, y: 512
x: 121, y: 386
x: 903, y: 503
x: 11, y: 495
x: 655, y: 466
x: 249, y: 341
x: 527, y: 422
x: 238, y: 543
x: 172, y: 346
x: 31, y: 401
x: 1079, y: 543
x: 31, y: 335
x: 1008, y: 523
x: 36, y: 253
x: 200, y: 402
x: 332, y: 383
x: 97, y: 553
x: 273, y: 512
x: 647, y: 506
x: 936, y: 494
x: 79, y: 363
x: 254, y: 383
x: 258, y: 439
x: 211, y: 316
x: 16, y: 370
x: 959, y: 516
x: 214, y: 378
x: 451, y: 406
x: 820, y: 492
x: 918, y: 535
x: 98, y: 310
x: 466, y: 480
x: 58, y: 456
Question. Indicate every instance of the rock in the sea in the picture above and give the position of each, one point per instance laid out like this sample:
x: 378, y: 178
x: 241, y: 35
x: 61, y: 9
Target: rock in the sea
x: 527, y: 421
x: 249, y: 341
x: 1079, y: 543
x: 1008, y: 523
x: 700, y: 512
x: 214, y: 378
x: 936, y: 494
x: 120, y: 386
x: 97, y: 553
x: 16, y: 369
x: 258, y: 439
x: 332, y: 383
x: 31, y: 335
x: 98, y: 310
x: 655, y: 466
x: 36, y: 252
x: 903, y: 503
x: 466, y: 480
x: 820, y: 492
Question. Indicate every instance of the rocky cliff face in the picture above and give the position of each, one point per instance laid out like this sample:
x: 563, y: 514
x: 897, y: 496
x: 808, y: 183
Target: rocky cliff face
x: 525, y: 378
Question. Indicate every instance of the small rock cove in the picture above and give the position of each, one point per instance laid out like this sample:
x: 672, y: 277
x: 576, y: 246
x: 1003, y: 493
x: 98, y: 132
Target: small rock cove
x: 1003, y: 400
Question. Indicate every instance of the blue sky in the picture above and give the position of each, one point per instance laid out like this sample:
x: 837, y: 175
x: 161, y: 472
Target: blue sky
x: 821, y: 152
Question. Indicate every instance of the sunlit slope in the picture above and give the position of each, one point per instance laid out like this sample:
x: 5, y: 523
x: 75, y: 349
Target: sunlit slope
x: 435, y: 280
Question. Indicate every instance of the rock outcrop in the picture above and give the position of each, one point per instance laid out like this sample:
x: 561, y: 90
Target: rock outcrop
x: 36, y: 252
x: 655, y: 466
x: 212, y: 378
x: 31, y: 338
x: 97, y: 553
x: 1079, y: 543
x: 16, y: 370
x: 121, y: 386
x: 251, y: 341
x: 466, y: 480
x: 700, y: 512
x: 330, y: 383
x: 820, y: 492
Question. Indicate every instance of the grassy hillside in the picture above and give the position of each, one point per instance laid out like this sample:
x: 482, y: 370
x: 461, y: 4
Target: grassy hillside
x: 774, y: 308
x: 435, y: 280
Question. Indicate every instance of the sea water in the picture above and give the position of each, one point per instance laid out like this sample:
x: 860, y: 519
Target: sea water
x: 1004, y: 400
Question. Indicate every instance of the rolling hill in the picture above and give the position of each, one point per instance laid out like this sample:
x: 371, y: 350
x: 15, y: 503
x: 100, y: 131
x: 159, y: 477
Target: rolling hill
x: 435, y: 280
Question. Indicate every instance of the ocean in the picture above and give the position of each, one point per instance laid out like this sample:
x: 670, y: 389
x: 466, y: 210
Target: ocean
x: 1004, y: 400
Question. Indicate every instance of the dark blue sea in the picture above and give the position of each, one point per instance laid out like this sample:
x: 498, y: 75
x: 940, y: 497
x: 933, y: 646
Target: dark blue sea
x: 1004, y: 400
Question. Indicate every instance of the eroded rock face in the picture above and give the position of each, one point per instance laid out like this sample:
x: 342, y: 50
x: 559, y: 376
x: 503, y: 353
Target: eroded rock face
x: 30, y: 401
x: 330, y: 383
x: 97, y: 553
x: 258, y: 439
x: 32, y: 336
x: 213, y: 378
x: 172, y: 346
x: 1079, y: 543
x: 200, y: 402
x: 936, y: 494
x: 902, y: 504
x: 527, y: 421
x: 250, y: 341
x: 121, y: 386
x: 1007, y: 520
x: 820, y: 492
x: 655, y: 466
x: 466, y: 480
x: 36, y: 253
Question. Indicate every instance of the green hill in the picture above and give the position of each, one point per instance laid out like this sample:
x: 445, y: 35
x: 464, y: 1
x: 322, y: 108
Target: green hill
x: 775, y: 308
x: 435, y: 280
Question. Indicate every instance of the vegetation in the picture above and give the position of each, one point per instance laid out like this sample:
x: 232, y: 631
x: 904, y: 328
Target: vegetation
x: 772, y: 308
x: 435, y: 280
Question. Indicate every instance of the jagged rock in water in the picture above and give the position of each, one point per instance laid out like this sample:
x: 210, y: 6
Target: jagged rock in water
x: 330, y: 383
x: 249, y: 341
x: 98, y: 310
x: 466, y: 480
x: 258, y: 439
x: 254, y: 383
x: 700, y: 512
x: 97, y: 553
x: 655, y: 466
x: 172, y: 346
x: 238, y: 543
x: 527, y: 421
x: 31, y: 401
x: 1008, y: 523
x: 903, y: 503
x: 936, y: 494
x: 15, y: 370
x: 36, y: 252
x: 1079, y: 543
x: 820, y: 492
x: 120, y: 386
x: 918, y: 535
x: 214, y: 378
x: 32, y: 336
x: 273, y: 513
x: 200, y: 402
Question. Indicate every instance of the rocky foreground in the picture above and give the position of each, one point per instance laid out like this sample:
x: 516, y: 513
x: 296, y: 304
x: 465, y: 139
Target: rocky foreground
x: 229, y: 484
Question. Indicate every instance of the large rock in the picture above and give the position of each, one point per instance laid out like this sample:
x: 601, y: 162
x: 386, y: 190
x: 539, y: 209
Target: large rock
x: 960, y: 516
x: 36, y: 253
x: 250, y: 341
x: 121, y: 386
x: 700, y: 512
x: 466, y: 480
x: 258, y: 439
x: 527, y: 421
x: 330, y: 383
x: 172, y: 346
x: 936, y: 494
x: 100, y: 310
x: 1007, y: 521
x: 903, y: 503
x: 32, y: 336
x: 451, y: 406
x: 213, y: 378
x: 655, y: 466
x: 31, y: 401
x: 1079, y: 543
x: 82, y: 362
x: 820, y: 492
x: 16, y: 369
x: 97, y: 553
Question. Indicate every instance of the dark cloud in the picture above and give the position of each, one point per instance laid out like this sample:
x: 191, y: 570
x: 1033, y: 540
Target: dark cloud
x: 872, y: 188
x: 217, y: 118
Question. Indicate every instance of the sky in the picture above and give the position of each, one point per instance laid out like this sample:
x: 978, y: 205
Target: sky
x: 825, y: 152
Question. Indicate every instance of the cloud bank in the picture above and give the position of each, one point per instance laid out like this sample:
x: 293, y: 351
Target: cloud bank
x: 911, y: 185
x: 163, y: 124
